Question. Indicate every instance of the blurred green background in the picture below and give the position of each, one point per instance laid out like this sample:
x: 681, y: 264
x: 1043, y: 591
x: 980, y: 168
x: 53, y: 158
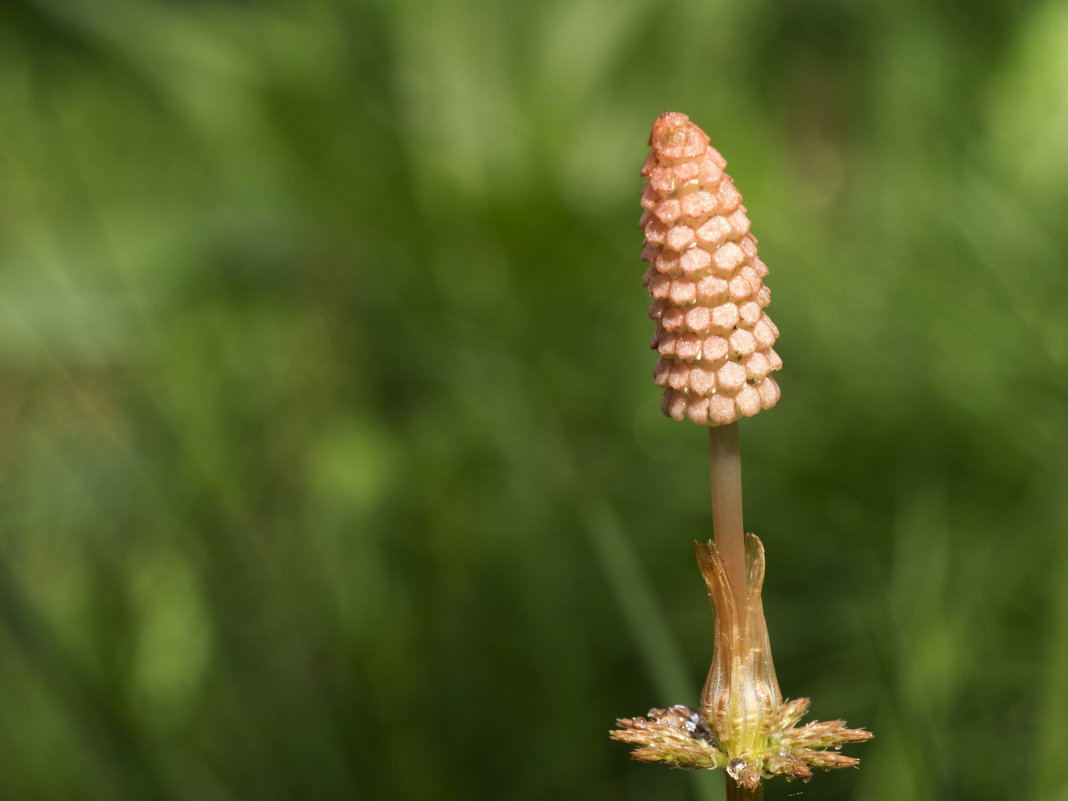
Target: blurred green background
x: 331, y: 465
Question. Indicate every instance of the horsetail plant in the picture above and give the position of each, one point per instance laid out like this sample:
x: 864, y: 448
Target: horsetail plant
x: 714, y: 341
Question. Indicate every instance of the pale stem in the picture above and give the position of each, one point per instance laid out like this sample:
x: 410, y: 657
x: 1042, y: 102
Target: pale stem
x: 736, y: 793
x: 729, y: 536
x: 727, y: 530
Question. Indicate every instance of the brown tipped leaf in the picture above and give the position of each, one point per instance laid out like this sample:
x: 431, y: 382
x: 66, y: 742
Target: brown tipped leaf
x: 743, y: 725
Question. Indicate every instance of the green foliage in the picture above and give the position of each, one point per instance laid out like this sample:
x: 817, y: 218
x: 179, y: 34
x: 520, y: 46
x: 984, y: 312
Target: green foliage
x: 328, y: 440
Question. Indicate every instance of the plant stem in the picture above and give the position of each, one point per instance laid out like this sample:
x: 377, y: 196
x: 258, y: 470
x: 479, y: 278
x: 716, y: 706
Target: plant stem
x: 736, y: 793
x: 727, y: 530
x: 729, y: 536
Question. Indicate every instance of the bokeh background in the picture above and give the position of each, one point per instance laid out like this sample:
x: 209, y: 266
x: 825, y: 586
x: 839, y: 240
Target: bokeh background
x: 331, y: 465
